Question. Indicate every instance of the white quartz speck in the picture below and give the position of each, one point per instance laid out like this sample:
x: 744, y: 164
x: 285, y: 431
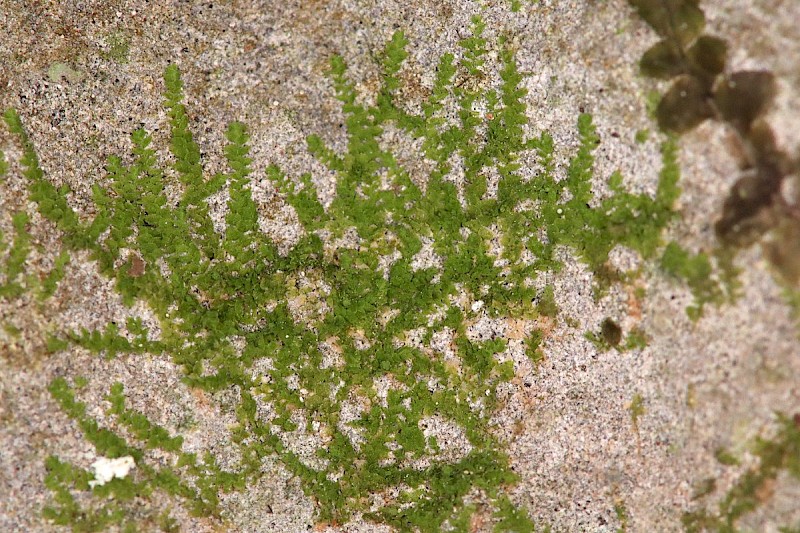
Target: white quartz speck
x: 107, y: 469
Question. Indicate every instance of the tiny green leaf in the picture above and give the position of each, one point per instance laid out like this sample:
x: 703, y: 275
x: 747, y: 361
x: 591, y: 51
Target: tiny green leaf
x: 663, y: 60
x: 708, y: 54
x: 685, y: 106
x: 678, y: 20
x: 744, y: 96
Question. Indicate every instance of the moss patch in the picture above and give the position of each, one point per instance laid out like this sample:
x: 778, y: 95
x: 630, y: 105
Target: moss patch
x: 227, y: 302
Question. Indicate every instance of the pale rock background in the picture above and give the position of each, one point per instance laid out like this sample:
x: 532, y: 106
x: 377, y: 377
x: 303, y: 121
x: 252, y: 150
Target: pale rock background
x: 567, y: 428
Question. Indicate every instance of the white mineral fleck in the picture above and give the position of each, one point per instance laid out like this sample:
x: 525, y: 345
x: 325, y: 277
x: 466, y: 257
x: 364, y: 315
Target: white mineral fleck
x: 107, y: 469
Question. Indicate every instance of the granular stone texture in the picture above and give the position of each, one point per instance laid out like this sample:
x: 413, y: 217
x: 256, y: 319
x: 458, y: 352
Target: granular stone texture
x: 601, y: 438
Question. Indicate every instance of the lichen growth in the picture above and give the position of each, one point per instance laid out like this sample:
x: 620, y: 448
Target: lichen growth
x: 59, y: 72
x: 118, y: 47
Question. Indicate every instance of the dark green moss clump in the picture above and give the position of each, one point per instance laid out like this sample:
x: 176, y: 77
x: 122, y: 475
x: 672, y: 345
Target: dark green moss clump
x: 611, y: 332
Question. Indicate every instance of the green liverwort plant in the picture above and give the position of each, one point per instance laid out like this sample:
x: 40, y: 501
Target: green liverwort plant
x: 336, y: 342
x: 704, y: 88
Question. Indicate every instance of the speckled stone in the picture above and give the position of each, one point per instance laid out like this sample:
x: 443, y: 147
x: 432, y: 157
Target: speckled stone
x: 567, y: 426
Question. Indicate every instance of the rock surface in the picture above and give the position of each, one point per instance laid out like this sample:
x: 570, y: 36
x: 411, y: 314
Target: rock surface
x: 84, y: 75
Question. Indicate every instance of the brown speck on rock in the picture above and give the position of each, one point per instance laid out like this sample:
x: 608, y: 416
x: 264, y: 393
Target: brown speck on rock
x: 136, y: 266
